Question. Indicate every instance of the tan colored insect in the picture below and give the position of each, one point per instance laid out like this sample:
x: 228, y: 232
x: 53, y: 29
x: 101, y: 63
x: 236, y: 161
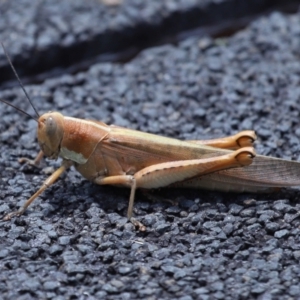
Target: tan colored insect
x: 112, y: 155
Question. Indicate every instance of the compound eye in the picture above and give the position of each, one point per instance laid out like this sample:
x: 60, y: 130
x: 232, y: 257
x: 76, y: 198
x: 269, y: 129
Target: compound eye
x: 51, y: 126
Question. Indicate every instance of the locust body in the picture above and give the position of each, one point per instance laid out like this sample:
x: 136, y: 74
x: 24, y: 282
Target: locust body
x: 114, y: 155
x: 119, y: 156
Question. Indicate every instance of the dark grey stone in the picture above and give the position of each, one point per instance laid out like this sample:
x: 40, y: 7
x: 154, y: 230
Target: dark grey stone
x: 75, y: 239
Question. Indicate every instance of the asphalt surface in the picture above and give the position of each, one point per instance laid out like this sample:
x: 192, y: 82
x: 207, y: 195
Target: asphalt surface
x: 46, y: 36
x: 74, y: 241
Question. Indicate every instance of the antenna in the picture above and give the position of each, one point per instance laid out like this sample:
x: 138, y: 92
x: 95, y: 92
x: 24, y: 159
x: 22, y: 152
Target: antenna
x: 19, y: 80
x: 19, y: 109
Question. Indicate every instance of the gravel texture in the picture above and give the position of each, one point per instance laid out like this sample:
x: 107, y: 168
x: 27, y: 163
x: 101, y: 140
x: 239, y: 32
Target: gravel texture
x: 47, y: 35
x: 74, y: 242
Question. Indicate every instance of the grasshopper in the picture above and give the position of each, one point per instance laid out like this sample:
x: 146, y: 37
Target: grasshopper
x: 112, y: 155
